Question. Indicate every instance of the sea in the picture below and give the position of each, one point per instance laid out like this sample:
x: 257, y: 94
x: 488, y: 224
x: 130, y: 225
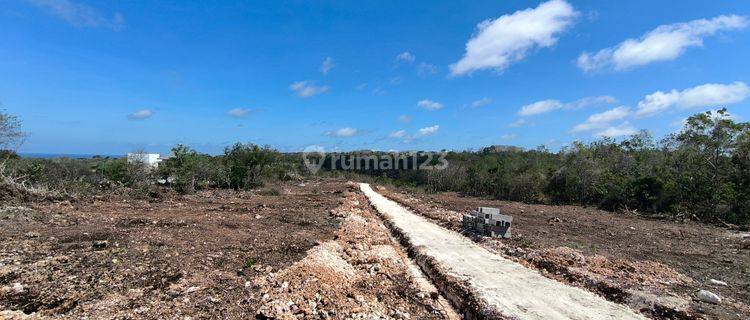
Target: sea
x: 66, y: 155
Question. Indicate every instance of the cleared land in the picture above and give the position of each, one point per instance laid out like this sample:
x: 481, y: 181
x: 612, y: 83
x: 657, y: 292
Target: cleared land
x: 317, y: 249
x: 653, y: 265
x: 165, y: 257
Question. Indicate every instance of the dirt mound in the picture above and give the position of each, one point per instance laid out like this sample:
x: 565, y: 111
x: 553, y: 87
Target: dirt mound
x: 574, y: 266
x: 362, y: 274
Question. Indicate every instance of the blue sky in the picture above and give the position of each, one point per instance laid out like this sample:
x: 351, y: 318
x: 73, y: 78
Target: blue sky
x: 110, y: 77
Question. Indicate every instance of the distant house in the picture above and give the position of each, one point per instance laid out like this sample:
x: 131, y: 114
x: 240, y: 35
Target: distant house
x: 488, y: 221
x: 150, y: 159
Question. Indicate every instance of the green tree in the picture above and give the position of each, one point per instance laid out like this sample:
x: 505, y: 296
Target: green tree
x: 245, y: 163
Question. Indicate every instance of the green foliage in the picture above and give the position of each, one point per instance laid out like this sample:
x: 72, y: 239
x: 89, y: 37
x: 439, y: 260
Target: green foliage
x: 703, y: 171
x: 246, y: 163
x: 188, y: 170
x: 113, y: 169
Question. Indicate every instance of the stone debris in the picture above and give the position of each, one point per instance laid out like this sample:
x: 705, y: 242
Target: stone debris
x: 362, y: 274
x: 717, y: 282
x: 708, y: 297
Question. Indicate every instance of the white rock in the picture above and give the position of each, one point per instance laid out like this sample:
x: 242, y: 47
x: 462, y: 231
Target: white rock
x: 17, y: 287
x: 708, y: 296
x: 192, y: 289
x: 717, y: 282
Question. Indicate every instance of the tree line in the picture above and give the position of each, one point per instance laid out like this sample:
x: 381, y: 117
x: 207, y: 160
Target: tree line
x: 701, y: 172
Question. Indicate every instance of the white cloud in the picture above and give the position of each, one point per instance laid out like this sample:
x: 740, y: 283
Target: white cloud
x: 343, y: 132
x: 307, y: 88
x: 327, y: 65
x: 666, y: 42
x: 406, y: 56
x: 397, y: 134
x: 429, y: 104
x: 428, y: 130
x: 517, y: 123
x: 707, y: 95
x: 141, y: 114
x: 540, y: 107
x: 404, y: 118
x: 481, y: 102
x: 238, y: 112
x: 589, y: 102
x: 509, y: 136
x: 507, y: 39
x: 78, y: 14
x: 601, y: 120
x: 426, y: 69
x: 623, y: 129
x: 610, y: 115
x: 545, y: 106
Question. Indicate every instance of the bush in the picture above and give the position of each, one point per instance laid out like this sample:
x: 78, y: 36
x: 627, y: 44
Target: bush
x: 246, y: 164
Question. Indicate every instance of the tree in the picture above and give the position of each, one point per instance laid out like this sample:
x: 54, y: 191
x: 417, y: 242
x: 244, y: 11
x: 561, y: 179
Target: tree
x: 245, y: 163
x: 11, y: 135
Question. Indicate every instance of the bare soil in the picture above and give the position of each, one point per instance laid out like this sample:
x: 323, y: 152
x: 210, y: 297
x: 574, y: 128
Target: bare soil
x: 654, y: 266
x: 166, y: 257
x: 362, y: 274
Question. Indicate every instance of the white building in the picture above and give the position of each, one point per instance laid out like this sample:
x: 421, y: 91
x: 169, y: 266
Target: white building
x: 149, y: 159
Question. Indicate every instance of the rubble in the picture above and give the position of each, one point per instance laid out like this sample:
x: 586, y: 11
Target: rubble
x: 708, y: 297
x: 362, y: 274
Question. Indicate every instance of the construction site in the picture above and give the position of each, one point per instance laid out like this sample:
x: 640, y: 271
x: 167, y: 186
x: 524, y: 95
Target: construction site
x: 328, y: 249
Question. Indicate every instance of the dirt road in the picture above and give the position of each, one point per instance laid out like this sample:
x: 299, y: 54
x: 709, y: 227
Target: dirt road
x: 501, y: 287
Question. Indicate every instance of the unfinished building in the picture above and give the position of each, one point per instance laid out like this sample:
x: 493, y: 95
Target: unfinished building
x: 488, y: 221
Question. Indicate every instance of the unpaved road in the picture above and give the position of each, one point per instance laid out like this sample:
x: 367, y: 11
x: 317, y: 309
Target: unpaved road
x: 503, y: 287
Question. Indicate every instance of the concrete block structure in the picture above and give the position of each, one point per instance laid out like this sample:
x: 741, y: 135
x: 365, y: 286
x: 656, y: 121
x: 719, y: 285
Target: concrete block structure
x: 489, y: 222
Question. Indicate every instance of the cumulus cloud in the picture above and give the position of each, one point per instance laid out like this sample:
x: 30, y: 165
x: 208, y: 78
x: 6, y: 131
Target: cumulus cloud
x: 397, y: 134
x: 601, y: 120
x: 405, y: 56
x: 429, y: 105
x: 141, y: 114
x: 666, y: 42
x: 428, y: 131
x: 238, y: 112
x: 345, y: 132
x: 79, y: 14
x: 624, y: 129
x: 706, y: 95
x: 404, y: 118
x: 327, y: 65
x: 505, y: 40
x: 549, y: 105
x: 307, y: 88
x: 481, y: 102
